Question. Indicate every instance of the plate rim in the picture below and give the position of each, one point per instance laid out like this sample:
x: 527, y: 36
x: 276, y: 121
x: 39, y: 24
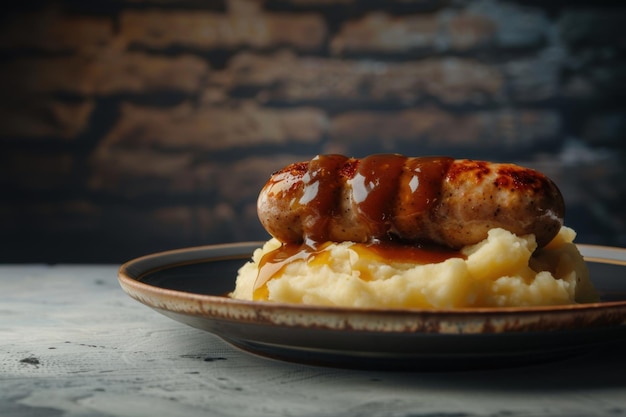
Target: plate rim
x: 379, y: 339
x: 130, y: 281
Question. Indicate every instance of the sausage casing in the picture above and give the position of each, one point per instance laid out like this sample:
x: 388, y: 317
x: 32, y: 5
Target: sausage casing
x: 441, y: 200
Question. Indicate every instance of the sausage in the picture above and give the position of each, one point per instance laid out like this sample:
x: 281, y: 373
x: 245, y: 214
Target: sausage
x: 440, y: 200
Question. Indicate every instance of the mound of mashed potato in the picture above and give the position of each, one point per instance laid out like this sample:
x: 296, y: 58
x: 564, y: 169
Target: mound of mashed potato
x: 502, y: 271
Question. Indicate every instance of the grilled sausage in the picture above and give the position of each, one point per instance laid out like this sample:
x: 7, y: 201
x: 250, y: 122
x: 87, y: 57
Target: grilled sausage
x: 414, y: 200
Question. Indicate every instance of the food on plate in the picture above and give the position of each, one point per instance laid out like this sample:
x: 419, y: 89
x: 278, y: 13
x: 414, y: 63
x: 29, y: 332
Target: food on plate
x: 440, y: 200
x: 390, y: 231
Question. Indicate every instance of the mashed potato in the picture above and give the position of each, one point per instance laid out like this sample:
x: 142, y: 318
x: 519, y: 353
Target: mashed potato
x: 500, y: 271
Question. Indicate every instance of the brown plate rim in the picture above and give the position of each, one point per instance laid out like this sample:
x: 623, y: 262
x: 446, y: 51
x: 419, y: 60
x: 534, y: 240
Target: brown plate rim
x: 225, y: 308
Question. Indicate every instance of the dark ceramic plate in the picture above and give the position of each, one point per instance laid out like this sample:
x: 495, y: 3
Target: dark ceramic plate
x: 190, y: 285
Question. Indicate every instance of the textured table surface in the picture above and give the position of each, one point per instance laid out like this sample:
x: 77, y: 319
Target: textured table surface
x: 72, y: 343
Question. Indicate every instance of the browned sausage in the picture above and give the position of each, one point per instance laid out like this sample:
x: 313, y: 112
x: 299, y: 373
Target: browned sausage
x: 388, y: 196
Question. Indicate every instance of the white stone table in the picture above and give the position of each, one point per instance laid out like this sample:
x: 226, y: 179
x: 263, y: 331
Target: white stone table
x: 72, y: 343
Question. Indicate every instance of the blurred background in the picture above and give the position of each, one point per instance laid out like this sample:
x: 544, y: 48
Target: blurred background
x: 134, y: 126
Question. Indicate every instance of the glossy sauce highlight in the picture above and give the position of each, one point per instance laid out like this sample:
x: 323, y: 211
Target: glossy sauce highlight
x: 389, y: 192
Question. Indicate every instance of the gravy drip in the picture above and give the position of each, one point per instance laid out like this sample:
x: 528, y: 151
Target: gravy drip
x: 387, y: 192
x: 383, y: 187
x: 273, y: 263
x: 374, y: 187
x: 321, y: 188
x: 421, y: 181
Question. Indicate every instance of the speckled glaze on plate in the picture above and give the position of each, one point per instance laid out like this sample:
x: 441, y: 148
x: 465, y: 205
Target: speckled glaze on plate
x: 190, y: 285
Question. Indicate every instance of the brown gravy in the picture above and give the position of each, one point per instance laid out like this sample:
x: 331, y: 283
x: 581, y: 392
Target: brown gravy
x: 375, y: 181
x: 384, y: 188
x: 274, y: 262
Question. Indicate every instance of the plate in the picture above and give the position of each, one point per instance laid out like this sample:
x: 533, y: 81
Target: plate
x: 191, y: 286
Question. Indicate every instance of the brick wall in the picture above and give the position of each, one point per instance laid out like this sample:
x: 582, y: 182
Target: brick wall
x: 132, y: 126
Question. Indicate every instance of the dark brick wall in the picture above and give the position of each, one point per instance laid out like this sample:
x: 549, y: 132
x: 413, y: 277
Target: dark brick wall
x: 132, y: 126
